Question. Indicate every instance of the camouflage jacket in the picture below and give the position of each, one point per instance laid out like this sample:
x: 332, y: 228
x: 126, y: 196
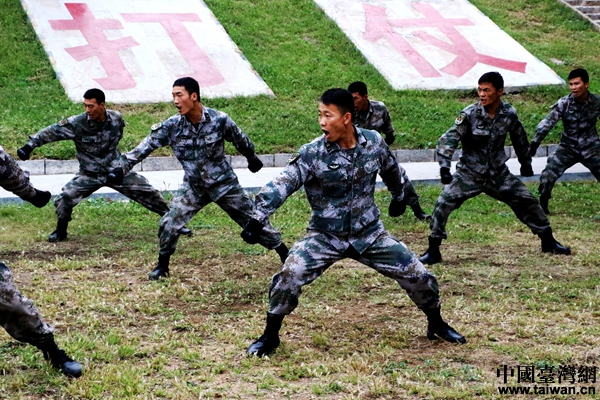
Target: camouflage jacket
x: 96, y: 142
x: 377, y: 118
x: 339, y: 186
x: 483, y: 140
x: 579, y: 123
x: 201, y: 150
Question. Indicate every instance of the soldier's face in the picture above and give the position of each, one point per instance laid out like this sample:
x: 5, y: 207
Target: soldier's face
x: 94, y: 110
x: 488, y: 94
x: 578, y: 88
x: 361, y: 103
x: 182, y: 100
x: 333, y: 122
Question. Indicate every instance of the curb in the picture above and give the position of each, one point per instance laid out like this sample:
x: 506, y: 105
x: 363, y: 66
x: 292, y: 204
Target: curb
x: 279, y: 160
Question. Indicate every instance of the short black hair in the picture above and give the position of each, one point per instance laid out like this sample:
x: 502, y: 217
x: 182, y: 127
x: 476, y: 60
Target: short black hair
x: 339, y: 97
x: 358, y: 87
x: 190, y: 84
x: 494, y: 78
x: 96, y: 94
x: 579, y: 73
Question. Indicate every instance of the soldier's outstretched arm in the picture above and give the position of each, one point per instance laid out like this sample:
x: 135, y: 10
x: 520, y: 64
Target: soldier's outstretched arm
x: 274, y: 193
x: 391, y: 173
x: 448, y: 142
x: 546, y: 125
x: 157, y: 138
x: 63, y: 130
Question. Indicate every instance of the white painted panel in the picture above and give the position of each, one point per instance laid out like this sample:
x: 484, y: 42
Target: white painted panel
x: 435, y: 44
x: 135, y: 49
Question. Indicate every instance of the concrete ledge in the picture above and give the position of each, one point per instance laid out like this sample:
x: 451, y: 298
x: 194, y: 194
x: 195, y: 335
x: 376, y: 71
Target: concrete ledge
x: 35, y: 167
x: 53, y: 167
x: 56, y: 167
x: 415, y: 155
x: 160, y: 164
x: 239, y: 162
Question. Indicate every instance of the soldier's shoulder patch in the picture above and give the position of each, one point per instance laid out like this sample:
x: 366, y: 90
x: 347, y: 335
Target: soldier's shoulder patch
x: 461, y: 117
x: 294, y: 157
x: 62, y: 122
x: 156, y: 126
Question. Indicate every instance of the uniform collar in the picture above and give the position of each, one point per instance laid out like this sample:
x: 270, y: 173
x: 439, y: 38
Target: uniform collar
x: 106, y: 119
x: 360, y: 140
x: 480, y: 110
x: 205, y: 118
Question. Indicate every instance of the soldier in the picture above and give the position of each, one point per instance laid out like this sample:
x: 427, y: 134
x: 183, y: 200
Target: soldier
x: 338, y: 172
x: 14, y: 179
x: 197, y: 136
x: 374, y: 115
x: 96, y: 134
x: 21, y: 320
x: 482, y: 127
x: 579, y: 143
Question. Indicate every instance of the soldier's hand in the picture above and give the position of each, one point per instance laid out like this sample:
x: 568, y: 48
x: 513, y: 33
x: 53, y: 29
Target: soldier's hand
x: 24, y: 152
x: 115, y: 176
x: 389, y: 138
x: 254, y: 164
x: 445, y: 175
x: 252, y: 231
x: 526, y: 170
x: 532, y: 149
x: 397, y: 208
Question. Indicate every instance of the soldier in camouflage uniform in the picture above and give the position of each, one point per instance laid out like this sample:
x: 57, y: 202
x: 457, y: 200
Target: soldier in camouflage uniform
x: 96, y: 134
x: 21, y: 319
x: 338, y: 172
x: 15, y: 180
x: 197, y: 136
x: 579, y: 143
x: 374, y: 115
x: 482, y: 128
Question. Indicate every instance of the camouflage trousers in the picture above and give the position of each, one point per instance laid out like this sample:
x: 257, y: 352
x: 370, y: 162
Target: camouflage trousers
x: 18, y: 314
x: 410, y: 195
x: 564, y: 158
x: 13, y: 178
x: 187, y: 202
x: 310, y: 257
x: 134, y: 186
x: 507, y: 188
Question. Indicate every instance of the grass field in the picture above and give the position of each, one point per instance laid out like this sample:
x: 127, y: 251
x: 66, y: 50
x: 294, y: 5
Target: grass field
x: 299, y: 52
x: 355, y: 334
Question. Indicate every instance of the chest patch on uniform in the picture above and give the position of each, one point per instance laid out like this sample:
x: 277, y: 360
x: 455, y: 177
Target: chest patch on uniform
x: 480, y: 126
x: 156, y: 126
x: 334, y: 166
x: 62, y: 122
x: 294, y: 157
x: 459, y: 120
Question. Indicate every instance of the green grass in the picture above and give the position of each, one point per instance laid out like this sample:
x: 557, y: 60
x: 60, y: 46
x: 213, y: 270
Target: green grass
x: 355, y: 334
x: 299, y: 52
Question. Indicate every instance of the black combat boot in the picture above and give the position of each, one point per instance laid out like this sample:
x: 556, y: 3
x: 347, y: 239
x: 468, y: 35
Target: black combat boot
x: 60, y: 234
x: 544, y: 198
x: 59, y: 359
x: 161, y: 269
x: 269, y: 340
x: 432, y: 255
x: 419, y: 213
x: 437, y: 327
x: 550, y: 245
x: 283, y: 251
x: 41, y: 198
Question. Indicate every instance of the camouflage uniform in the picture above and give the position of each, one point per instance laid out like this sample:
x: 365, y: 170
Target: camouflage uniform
x: 579, y: 142
x: 18, y: 315
x: 208, y: 176
x: 482, y: 167
x: 345, y: 221
x: 96, y: 144
x: 13, y: 178
x: 378, y: 119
